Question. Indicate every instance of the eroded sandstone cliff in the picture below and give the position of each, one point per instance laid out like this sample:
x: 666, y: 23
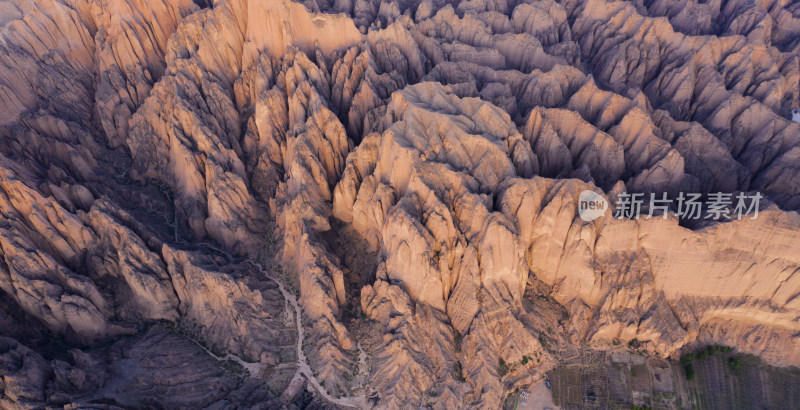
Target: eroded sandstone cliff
x: 207, y: 204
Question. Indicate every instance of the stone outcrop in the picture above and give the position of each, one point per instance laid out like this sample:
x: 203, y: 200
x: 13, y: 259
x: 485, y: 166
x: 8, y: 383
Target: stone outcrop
x: 410, y: 170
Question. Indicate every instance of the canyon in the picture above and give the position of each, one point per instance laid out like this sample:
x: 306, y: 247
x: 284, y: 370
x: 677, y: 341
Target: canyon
x: 374, y: 203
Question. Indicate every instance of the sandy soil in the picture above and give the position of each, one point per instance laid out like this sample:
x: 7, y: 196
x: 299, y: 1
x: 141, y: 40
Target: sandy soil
x: 539, y: 398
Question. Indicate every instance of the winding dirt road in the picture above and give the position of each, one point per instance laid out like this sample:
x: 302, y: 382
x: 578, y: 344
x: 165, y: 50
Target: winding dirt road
x: 359, y: 402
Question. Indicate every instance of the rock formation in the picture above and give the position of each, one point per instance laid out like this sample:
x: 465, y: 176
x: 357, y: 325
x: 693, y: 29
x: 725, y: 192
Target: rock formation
x: 378, y: 200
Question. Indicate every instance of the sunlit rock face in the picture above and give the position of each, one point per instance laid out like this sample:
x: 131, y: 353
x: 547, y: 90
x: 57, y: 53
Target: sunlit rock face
x: 409, y: 170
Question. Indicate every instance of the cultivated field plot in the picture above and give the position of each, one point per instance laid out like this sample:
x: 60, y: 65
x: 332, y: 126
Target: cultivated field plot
x: 566, y: 385
x: 662, y: 376
x: 622, y: 379
x: 619, y: 390
x: 752, y: 386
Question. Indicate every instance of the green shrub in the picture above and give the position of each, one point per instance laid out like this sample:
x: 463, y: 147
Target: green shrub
x: 733, y: 363
x: 690, y: 373
x: 502, y: 367
x: 460, y: 373
x: 687, y: 358
x: 457, y: 337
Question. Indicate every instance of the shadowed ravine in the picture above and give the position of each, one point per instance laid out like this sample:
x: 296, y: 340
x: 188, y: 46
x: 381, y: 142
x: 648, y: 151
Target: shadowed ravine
x: 304, y: 369
x: 414, y: 177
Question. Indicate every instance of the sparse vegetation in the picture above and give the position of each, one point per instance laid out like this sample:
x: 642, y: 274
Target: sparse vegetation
x: 704, y: 354
x: 233, y: 367
x: 546, y: 342
x: 457, y: 337
x: 459, y: 372
x: 502, y: 367
x: 733, y: 363
x: 688, y: 367
x: 709, y: 350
